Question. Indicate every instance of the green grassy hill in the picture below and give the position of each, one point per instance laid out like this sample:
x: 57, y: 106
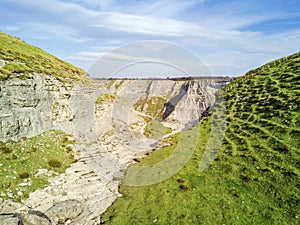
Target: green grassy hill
x: 21, y: 59
x: 255, y: 178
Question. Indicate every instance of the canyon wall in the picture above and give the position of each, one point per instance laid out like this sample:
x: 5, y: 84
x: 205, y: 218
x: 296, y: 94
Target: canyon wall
x: 29, y: 107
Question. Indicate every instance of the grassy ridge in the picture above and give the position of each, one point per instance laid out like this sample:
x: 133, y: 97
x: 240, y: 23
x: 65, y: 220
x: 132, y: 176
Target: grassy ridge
x: 21, y: 59
x: 255, y: 178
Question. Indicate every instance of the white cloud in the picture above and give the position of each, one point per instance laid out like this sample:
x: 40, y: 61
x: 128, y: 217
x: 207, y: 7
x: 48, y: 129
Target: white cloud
x: 145, y: 24
x: 95, y: 5
x: 10, y: 28
x: 44, y: 31
x: 219, y: 33
x: 90, y: 54
x: 166, y: 8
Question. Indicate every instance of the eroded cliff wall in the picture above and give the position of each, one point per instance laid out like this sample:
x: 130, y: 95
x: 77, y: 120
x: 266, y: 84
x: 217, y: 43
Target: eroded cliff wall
x: 39, y: 103
x: 29, y: 107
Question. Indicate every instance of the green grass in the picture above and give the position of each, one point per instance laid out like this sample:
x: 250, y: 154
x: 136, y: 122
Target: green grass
x: 23, y: 59
x: 255, y: 178
x: 153, y: 108
x: 155, y: 129
x: 106, y: 97
x: 21, y: 160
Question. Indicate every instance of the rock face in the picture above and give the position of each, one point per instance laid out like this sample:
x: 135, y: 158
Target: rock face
x: 28, y: 107
x: 107, y: 120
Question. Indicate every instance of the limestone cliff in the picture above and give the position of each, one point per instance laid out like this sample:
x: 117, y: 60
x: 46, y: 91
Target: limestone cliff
x: 29, y: 107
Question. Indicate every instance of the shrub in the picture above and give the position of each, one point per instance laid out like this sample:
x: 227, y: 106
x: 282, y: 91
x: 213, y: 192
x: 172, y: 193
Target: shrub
x: 54, y: 163
x: 181, y: 180
x: 23, y: 175
x: 5, y: 149
x: 99, y: 100
x: 69, y: 149
x: 65, y: 140
x: 184, y: 187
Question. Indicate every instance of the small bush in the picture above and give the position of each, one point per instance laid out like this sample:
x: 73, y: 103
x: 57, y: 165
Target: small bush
x: 181, y: 180
x: 54, y: 163
x: 184, y: 187
x: 69, y: 149
x: 23, y: 175
x: 5, y: 149
x: 99, y: 100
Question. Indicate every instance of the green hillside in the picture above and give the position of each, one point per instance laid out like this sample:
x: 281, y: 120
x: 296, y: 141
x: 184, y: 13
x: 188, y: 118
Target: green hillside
x: 255, y: 178
x: 21, y: 59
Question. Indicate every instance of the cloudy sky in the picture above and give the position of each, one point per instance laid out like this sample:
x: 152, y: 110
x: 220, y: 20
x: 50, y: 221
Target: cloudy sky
x: 229, y: 36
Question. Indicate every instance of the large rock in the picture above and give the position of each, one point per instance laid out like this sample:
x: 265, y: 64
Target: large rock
x: 11, y: 219
x: 36, y: 218
x: 65, y: 211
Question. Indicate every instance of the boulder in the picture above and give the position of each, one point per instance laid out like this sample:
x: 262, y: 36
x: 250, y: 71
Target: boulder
x: 36, y: 218
x: 11, y: 219
x: 64, y: 211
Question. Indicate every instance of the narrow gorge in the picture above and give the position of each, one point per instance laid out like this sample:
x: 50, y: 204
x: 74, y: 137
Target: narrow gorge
x: 189, y: 150
x: 112, y: 121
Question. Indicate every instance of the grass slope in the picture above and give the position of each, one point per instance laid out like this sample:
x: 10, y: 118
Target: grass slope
x: 21, y: 59
x: 255, y: 176
x: 20, y: 162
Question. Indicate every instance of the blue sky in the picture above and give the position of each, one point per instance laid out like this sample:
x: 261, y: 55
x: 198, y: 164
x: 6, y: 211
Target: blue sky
x: 230, y: 37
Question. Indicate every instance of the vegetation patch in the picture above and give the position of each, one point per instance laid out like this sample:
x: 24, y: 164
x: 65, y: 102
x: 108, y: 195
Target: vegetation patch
x: 155, y: 129
x: 256, y: 175
x: 55, y: 163
x: 153, y: 106
x: 19, y: 166
x: 106, y: 97
x: 4, y: 149
x: 23, y: 175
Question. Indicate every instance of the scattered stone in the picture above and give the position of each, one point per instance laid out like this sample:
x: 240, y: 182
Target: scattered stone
x: 2, y: 63
x: 40, y: 172
x: 10, y: 195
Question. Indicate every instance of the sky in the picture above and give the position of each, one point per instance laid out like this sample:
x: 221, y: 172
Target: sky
x: 230, y: 37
